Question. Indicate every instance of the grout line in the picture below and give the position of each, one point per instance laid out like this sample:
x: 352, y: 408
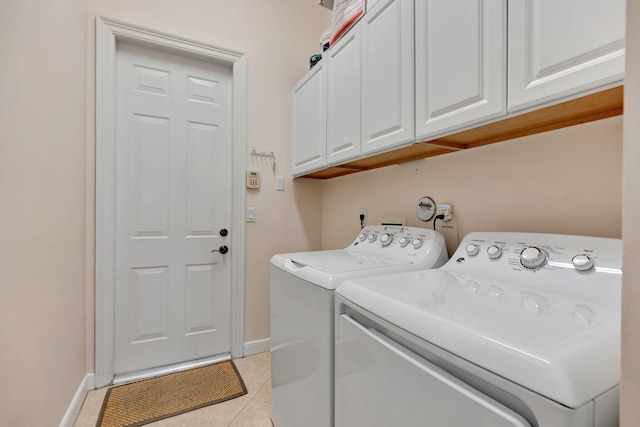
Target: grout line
x: 88, y: 419
x: 239, y: 412
x: 251, y: 399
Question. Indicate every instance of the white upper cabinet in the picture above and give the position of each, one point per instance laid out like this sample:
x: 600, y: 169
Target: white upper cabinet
x: 343, y: 98
x: 561, y: 48
x: 461, y: 51
x: 422, y: 70
x: 309, y: 122
x: 387, y: 75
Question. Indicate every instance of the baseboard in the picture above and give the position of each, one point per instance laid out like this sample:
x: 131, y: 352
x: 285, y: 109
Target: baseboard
x: 87, y: 383
x: 258, y: 346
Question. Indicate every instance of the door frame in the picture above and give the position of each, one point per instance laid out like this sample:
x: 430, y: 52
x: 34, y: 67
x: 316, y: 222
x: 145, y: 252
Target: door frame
x: 108, y: 32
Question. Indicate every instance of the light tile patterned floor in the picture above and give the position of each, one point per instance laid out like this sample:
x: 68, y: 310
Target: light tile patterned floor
x: 251, y: 410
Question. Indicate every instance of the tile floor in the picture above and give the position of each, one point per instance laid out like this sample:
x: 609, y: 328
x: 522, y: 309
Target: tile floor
x: 251, y: 410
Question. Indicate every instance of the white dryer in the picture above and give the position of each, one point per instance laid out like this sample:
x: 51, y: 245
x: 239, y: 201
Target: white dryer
x: 516, y: 330
x: 302, y: 289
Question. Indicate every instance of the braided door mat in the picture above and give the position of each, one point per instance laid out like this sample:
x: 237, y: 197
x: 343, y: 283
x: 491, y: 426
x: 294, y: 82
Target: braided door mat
x: 151, y: 400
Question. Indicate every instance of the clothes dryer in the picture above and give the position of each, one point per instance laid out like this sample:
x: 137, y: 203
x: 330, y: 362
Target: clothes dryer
x: 516, y: 330
x: 302, y: 289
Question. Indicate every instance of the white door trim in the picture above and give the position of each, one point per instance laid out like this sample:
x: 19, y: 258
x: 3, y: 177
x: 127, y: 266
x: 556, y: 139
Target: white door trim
x: 107, y: 33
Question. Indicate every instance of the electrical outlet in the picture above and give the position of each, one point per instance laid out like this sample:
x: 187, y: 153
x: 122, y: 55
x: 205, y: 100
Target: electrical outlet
x: 447, y: 211
x: 448, y: 224
x: 363, y: 216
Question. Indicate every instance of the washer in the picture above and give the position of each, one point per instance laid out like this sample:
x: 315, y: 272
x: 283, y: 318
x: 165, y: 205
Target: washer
x: 515, y: 330
x: 302, y: 313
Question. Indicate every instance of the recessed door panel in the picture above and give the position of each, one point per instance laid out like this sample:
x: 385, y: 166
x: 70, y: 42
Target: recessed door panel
x: 150, y: 180
x: 200, y: 301
x: 561, y: 49
x: 344, y: 103
x: 387, y: 75
x: 151, y: 80
x: 201, y: 182
x: 150, y: 292
x: 460, y: 64
x: 202, y: 90
x: 309, y: 122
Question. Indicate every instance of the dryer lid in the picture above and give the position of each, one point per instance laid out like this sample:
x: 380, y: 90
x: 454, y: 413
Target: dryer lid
x: 562, y: 345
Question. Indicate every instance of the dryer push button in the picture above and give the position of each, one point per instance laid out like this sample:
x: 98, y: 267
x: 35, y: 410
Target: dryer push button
x: 472, y: 249
x: 494, y: 251
x: 582, y: 262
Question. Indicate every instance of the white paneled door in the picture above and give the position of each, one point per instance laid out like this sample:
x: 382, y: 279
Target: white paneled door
x: 173, y: 199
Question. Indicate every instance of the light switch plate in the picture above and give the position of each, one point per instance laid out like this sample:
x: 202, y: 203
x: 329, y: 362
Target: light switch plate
x: 251, y: 214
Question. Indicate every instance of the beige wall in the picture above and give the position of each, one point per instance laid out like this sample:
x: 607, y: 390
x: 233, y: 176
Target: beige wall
x: 47, y: 196
x: 42, y: 198
x: 47, y: 173
x: 278, y: 37
x: 630, y: 396
x: 564, y: 181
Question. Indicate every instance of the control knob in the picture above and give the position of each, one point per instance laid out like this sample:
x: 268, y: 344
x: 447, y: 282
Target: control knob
x: 362, y: 237
x: 417, y: 242
x: 582, y: 262
x: 472, y: 249
x: 386, y: 239
x: 494, y: 252
x: 404, y: 241
x: 372, y: 238
x: 532, y: 257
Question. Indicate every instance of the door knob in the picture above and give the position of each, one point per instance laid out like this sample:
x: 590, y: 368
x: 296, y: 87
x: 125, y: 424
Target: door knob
x: 224, y: 232
x: 222, y: 249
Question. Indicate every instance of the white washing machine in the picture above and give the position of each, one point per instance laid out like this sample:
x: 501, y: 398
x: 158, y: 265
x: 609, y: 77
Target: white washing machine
x: 302, y: 313
x: 515, y: 330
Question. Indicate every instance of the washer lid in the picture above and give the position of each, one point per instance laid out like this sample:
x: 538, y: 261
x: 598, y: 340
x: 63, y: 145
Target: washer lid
x: 562, y: 345
x: 341, y: 261
x: 328, y: 269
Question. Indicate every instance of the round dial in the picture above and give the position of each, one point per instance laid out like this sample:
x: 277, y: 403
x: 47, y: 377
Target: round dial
x: 417, y: 242
x: 472, y: 249
x: 532, y: 257
x: 362, y: 237
x: 494, y: 252
x: 403, y: 241
x: 386, y: 239
x: 582, y: 262
x: 372, y: 238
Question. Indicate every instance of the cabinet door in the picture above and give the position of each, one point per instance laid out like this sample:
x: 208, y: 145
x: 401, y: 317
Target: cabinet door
x: 309, y: 121
x: 343, y: 98
x: 559, y: 49
x: 461, y: 51
x: 387, y: 76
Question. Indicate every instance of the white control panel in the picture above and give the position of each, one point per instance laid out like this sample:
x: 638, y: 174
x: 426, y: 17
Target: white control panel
x: 533, y: 252
x: 399, y: 242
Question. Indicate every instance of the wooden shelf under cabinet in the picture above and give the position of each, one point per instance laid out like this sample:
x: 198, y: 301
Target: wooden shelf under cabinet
x: 597, y: 106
